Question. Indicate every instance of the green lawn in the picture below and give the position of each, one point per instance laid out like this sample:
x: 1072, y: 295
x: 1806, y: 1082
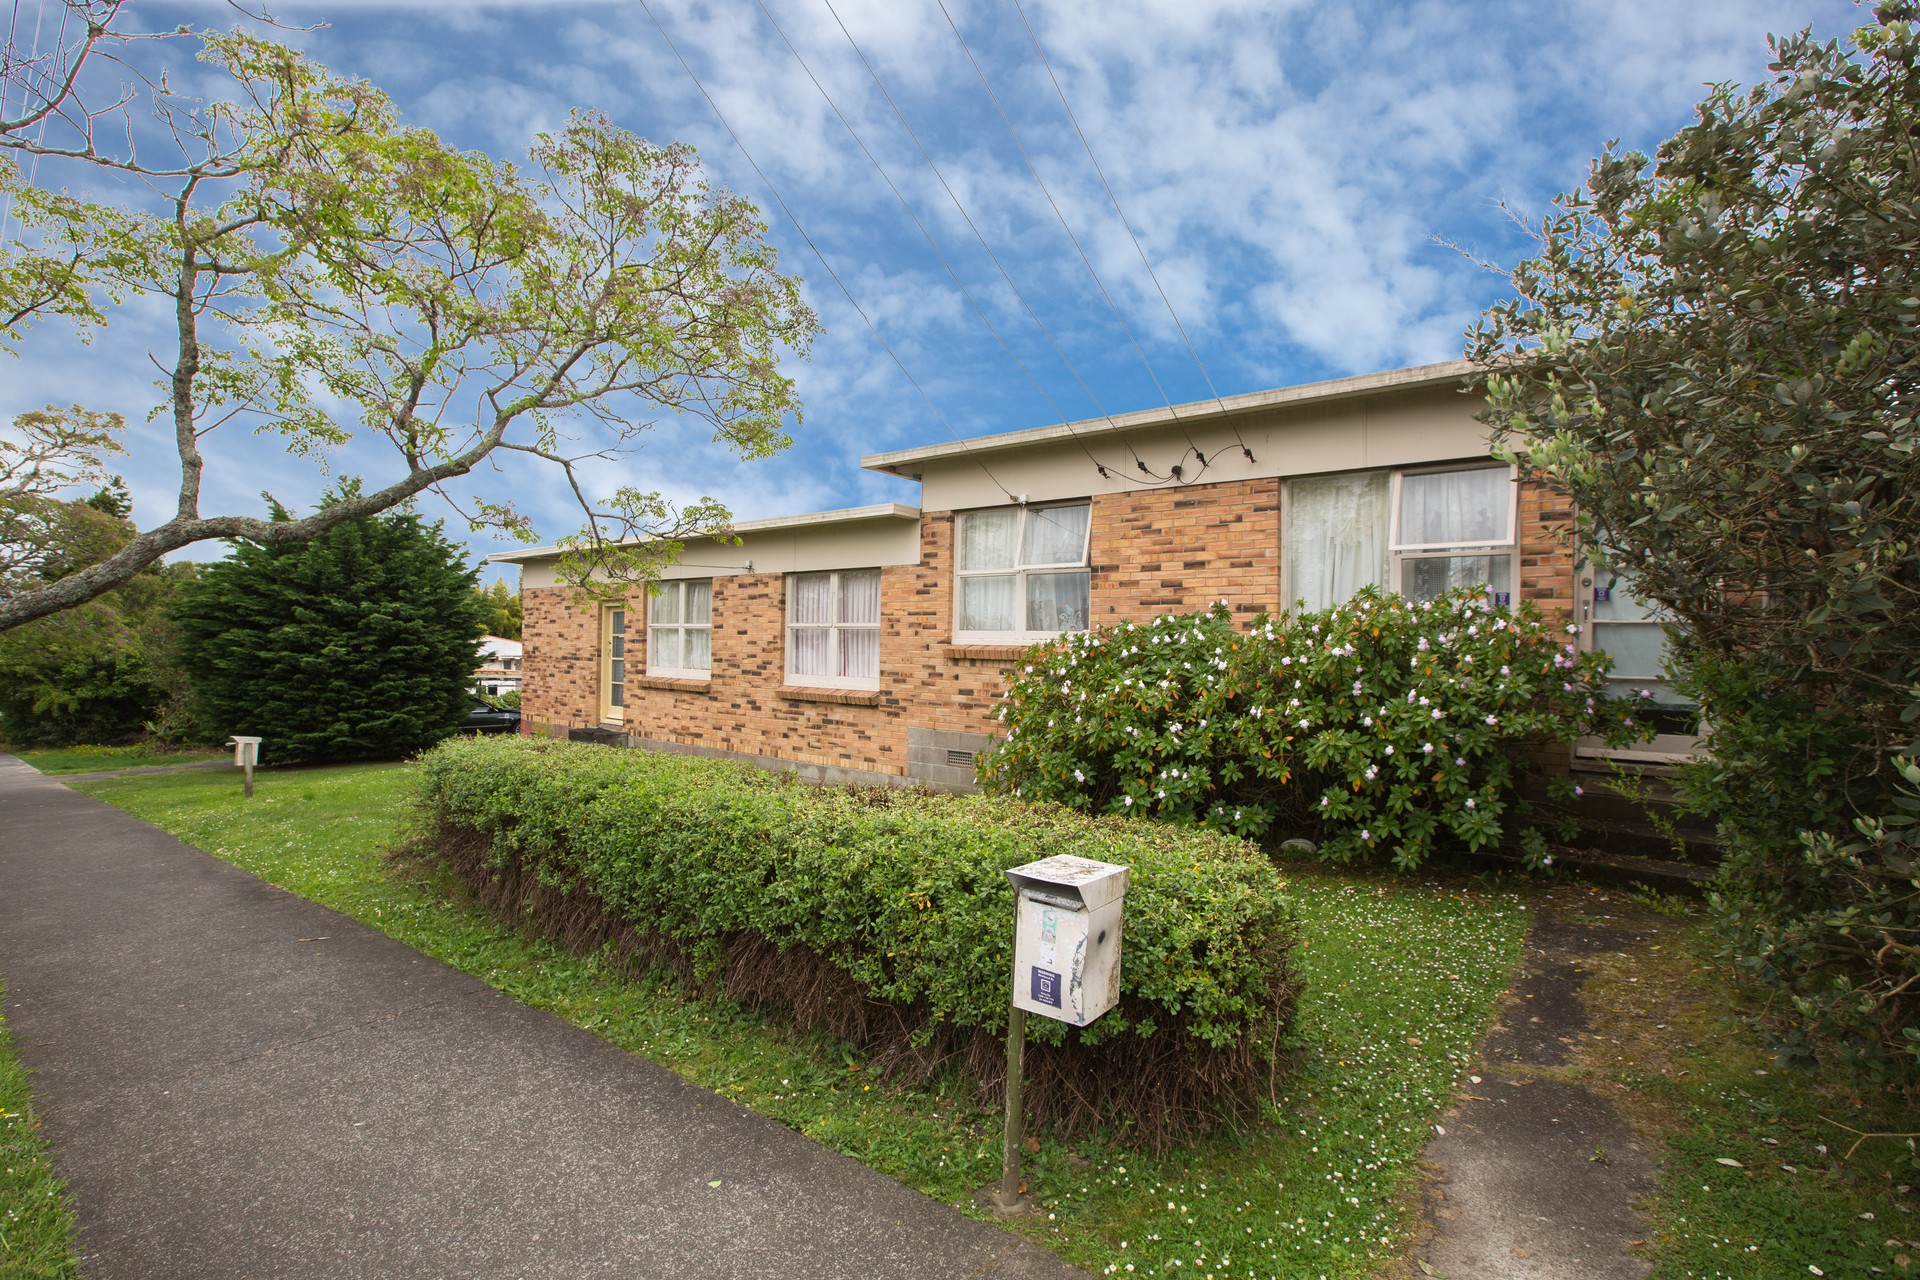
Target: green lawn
x: 95, y: 759
x: 1401, y: 979
x: 36, y: 1214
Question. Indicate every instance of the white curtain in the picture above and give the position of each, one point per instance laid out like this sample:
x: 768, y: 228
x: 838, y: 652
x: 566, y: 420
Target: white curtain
x: 812, y: 604
x: 700, y: 602
x: 860, y: 652
x: 663, y: 647
x: 810, y: 651
x: 1336, y: 537
x: 665, y: 607
x: 1455, y: 507
x: 1427, y: 576
x: 697, y: 649
x: 1057, y: 602
x: 986, y: 604
x: 1055, y: 535
x: 986, y: 539
x: 860, y: 597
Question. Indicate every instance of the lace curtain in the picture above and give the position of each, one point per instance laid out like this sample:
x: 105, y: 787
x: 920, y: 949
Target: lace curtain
x: 1336, y: 537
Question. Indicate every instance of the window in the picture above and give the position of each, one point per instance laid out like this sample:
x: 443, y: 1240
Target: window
x: 833, y: 629
x: 613, y: 661
x: 1454, y: 529
x: 1021, y: 572
x: 1416, y: 532
x: 680, y: 630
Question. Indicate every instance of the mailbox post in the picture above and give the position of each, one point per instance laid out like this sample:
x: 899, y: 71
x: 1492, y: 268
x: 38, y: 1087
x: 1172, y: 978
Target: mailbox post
x: 1066, y: 966
x: 246, y: 754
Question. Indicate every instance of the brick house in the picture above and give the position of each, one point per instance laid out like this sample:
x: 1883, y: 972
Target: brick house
x: 871, y: 643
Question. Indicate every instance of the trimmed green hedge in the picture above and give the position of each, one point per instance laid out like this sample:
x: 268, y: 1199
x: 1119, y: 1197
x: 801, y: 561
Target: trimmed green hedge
x: 903, y: 894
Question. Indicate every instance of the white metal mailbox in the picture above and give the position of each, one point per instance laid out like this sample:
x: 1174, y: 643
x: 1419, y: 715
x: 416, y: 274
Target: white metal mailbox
x: 246, y: 751
x: 1066, y: 937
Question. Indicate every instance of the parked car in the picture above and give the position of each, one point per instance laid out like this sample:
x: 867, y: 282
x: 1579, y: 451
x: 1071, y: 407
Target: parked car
x: 489, y: 719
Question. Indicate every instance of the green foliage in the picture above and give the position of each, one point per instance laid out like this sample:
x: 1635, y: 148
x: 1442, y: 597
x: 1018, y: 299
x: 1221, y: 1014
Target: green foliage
x: 461, y: 308
x: 357, y: 645
x: 906, y: 891
x: 105, y: 671
x: 499, y: 610
x: 1383, y: 727
x: 1712, y: 355
x: 36, y: 1210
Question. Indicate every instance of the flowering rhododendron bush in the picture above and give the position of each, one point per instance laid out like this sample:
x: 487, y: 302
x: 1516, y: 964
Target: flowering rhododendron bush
x: 1382, y: 727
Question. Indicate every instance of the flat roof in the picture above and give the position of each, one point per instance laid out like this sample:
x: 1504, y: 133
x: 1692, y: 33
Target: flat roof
x: 806, y: 520
x: 894, y: 463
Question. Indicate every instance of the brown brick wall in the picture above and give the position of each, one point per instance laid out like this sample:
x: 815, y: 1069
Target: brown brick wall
x: 1180, y: 549
x: 1154, y: 552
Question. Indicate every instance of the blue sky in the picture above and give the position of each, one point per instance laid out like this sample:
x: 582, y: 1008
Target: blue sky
x: 1294, y: 171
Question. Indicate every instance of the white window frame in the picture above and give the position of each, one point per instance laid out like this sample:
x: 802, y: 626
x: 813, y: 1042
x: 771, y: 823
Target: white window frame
x: 679, y: 586
x: 611, y: 707
x: 1020, y: 572
x: 1400, y: 553
x: 832, y: 627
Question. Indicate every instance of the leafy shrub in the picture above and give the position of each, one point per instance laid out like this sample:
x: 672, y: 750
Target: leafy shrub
x: 1382, y: 726
x: 1836, y: 923
x: 881, y: 915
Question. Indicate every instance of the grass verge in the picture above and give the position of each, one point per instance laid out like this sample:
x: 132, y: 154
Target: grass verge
x: 1764, y: 1172
x: 36, y: 1214
x: 55, y: 760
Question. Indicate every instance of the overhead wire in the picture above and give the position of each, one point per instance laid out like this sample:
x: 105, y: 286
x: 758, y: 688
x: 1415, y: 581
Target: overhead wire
x: 1065, y: 225
x: 1199, y: 364
x: 825, y: 265
x: 972, y: 226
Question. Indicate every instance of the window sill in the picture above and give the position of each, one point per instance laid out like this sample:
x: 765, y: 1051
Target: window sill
x: 671, y: 683
x: 840, y: 697
x: 985, y: 652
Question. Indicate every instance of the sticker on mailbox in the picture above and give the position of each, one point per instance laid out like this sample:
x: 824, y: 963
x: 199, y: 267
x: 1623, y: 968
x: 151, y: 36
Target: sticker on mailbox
x: 1046, y: 987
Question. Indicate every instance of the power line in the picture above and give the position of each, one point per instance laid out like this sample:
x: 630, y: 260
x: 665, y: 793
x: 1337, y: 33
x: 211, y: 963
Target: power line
x: 825, y: 265
x: 933, y: 244
x: 1115, y: 201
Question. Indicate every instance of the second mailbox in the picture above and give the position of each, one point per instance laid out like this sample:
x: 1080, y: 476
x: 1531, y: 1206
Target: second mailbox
x: 1066, y: 937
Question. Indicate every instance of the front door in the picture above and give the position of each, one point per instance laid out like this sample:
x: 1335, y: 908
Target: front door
x: 1615, y: 622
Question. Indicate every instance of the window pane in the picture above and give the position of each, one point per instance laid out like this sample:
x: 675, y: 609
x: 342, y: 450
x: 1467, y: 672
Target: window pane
x: 617, y: 671
x: 1056, y: 535
x: 663, y: 647
x: 617, y: 695
x: 860, y: 597
x: 809, y: 651
x: 700, y: 602
x: 812, y: 599
x: 986, y: 604
x: 860, y: 652
x: 617, y: 622
x: 665, y: 606
x: 1057, y: 601
x: 986, y: 539
x: 617, y: 645
x: 1426, y: 578
x: 696, y: 644
x: 1455, y: 506
x: 1335, y: 540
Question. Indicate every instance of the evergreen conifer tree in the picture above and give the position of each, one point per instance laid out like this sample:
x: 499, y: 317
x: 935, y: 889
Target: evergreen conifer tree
x: 359, y: 645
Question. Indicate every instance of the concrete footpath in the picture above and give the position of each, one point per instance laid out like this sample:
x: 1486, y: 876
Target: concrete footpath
x: 237, y: 1082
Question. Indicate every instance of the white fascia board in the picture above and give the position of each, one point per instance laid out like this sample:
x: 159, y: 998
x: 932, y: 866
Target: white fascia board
x: 806, y: 520
x: 906, y: 462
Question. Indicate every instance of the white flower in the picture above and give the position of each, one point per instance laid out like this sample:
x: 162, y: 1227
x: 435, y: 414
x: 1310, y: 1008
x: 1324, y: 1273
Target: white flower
x: 1438, y: 714
x: 1389, y: 748
x: 1426, y: 749
x: 1579, y: 791
x: 1493, y: 719
x: 1373, y: 771
x: 1128, y: 801
x: 1471, y: 804
x: 1079, y: 776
